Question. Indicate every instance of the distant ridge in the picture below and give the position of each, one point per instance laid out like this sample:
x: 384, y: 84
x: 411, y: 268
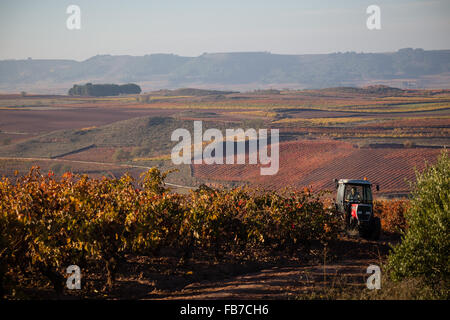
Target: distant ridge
x: 407, y: 68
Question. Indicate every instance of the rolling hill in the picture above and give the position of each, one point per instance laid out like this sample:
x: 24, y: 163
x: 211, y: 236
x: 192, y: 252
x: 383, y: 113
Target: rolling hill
x: 408, y: 68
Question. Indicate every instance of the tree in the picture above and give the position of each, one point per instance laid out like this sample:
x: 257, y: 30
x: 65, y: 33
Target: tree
x: 100, y: 90
x: 130, y: 88
x: 425, y: 245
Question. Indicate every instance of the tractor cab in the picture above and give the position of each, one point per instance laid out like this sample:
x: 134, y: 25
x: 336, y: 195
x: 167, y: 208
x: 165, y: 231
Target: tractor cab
x: 353, y: 191
x: 354, y: 200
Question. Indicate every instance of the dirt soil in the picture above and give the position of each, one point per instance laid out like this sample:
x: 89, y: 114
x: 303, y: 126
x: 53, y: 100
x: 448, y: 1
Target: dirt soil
x: 251, y: 276
x: 347, y: 266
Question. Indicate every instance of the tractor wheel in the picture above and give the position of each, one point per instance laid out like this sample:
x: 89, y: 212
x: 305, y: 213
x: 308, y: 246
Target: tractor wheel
x: 375, y: 229
x: 365, y: 233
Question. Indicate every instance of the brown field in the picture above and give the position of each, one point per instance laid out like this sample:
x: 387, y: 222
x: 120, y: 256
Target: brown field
x: 97, y: 154
x: 41, y: 121
x: 317, y: 163
x: 325, y: 134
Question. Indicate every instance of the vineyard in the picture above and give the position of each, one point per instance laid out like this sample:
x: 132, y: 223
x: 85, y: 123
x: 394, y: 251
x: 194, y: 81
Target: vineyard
x: 315, y: 163
x: 47, y: 224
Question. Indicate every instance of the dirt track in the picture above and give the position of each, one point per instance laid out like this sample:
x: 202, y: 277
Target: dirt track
x: 276, y: 283
x: 289, y: 279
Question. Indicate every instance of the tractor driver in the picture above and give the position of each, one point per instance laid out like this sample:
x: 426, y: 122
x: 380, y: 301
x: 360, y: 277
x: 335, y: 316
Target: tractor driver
x: 353, y: 195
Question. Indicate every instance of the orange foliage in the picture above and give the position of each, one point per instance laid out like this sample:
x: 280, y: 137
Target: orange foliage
x: 392, y: 214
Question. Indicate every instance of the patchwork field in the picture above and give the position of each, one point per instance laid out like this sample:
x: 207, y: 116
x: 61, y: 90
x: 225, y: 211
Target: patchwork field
x: 377, y: 132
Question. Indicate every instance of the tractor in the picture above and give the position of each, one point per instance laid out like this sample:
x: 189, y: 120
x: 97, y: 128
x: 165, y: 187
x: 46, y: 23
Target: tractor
x: 354, y: 201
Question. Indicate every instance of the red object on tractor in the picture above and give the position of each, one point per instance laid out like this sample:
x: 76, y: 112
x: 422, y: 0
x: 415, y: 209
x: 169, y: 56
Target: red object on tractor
x: 355, y: 210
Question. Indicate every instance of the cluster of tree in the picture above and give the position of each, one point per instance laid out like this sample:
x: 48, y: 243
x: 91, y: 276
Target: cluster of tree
x: 98, y: 90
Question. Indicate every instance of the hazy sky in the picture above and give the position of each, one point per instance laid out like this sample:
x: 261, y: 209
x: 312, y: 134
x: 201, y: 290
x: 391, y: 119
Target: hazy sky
x: 37, y: 29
